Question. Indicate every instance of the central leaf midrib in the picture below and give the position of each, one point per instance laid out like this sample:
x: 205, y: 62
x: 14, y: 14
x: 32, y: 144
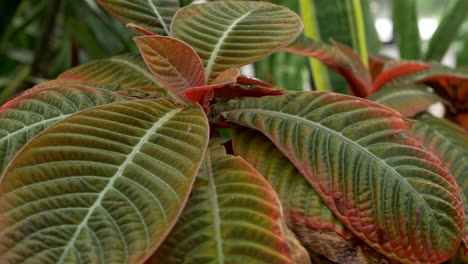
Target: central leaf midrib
x: 117, y: 175
x: 343, y: 138
x: 158, y: 15
x: 215, y: 205
x: 218, y: 45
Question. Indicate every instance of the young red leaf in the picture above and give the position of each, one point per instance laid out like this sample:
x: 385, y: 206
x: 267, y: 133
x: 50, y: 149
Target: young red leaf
x: 176, y: 65
x: 202, y: 94
x: 339, y: 58
x: 397, y: 72
x: 376, y: 65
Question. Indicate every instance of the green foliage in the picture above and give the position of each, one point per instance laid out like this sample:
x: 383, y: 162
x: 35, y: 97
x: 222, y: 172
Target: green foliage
x: 120, y: 160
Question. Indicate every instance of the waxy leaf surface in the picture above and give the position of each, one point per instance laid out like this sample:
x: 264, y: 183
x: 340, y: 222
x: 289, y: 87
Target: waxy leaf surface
x: 450, y: 143
x: 153, y: 15
x: 232, y: 216
x: 232, y: 34
x: 409, y: 99
x: 26, y: 116
x: 102, y: 186
x: 381, y: 185
x: 306, y: 214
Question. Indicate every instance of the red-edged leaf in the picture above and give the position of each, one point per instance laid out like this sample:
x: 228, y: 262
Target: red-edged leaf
x: 228, y: 76
x: 249, y: 81
x: 140, y: 29
x: 230, y: 34
x: 408, y: 99
x: 380, y: 183
x: 314, y: 224
x: 339, y: 58
x: 175, y: 64
x: 462, y: 119
x: 236, y: 90
x: 397, y: 72
x: 155, y: 15
x: 376, y: 65
x: 450, y: 143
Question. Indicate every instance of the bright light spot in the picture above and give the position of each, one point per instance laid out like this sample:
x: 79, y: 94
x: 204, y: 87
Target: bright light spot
x: 427, y: 27
x: 384, y: 29
x: 437, y: 110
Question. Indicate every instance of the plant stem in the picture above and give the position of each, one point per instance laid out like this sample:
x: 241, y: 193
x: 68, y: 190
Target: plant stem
x: 359, y: 21
x: 320, y: 75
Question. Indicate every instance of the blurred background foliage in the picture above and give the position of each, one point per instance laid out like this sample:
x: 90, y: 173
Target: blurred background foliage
x: 40, y: 39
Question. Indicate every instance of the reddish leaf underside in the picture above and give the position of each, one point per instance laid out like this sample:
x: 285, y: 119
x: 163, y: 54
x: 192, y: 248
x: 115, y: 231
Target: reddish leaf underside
x: 397, y: 72
x: 175, y: 64
x: 339, y: 58
x: 453, y: 87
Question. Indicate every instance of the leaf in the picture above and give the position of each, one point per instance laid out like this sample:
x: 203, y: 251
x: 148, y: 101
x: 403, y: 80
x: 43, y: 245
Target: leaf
x: 405, y: 24
x: 232, y: 34
x: 451, y: 85
x: 378, y: 182
x: 203, y: 94
x: 449, y: 26
x: 401, y: 70
x: 409, y: 100
x: 308, y: 217
x: 232, y: 216
x: 26, y: 116
x: 339, y: 58
x: 126, y: 71
x: 102, y: 186
x: 175, y: 65
x: 155, y: 15
x: 140, y: 29
x: 449, y: 143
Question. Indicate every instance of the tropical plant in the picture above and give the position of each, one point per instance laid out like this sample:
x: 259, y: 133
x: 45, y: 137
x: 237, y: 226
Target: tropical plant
x: 172, y: 156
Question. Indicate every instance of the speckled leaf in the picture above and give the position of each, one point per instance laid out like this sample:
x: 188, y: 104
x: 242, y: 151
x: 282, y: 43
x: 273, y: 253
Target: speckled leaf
x: 102, y: 186
x: 306, y: 214
x: 232, y: 34
x: 154, y: 15
x: 450, y: 143
x: 232, y: 216
x: 380, y: 184
x: 26, y: 116
x: 409, y: 99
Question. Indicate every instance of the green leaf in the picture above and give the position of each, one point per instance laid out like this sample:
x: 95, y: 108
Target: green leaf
x: 232, y: 216
x: 380, y: 184
x: 462, y: 56
x: 102, y: 186
x: 306, y: 214
x: 154, y: 15
x: 175, y: 65
x: 26, y: 116
x: 405, y: 24
x: 409, y: 99
x: 447, y: 31
x: 232, y: 34
x: 126, y: 71
x: 450, y: 143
